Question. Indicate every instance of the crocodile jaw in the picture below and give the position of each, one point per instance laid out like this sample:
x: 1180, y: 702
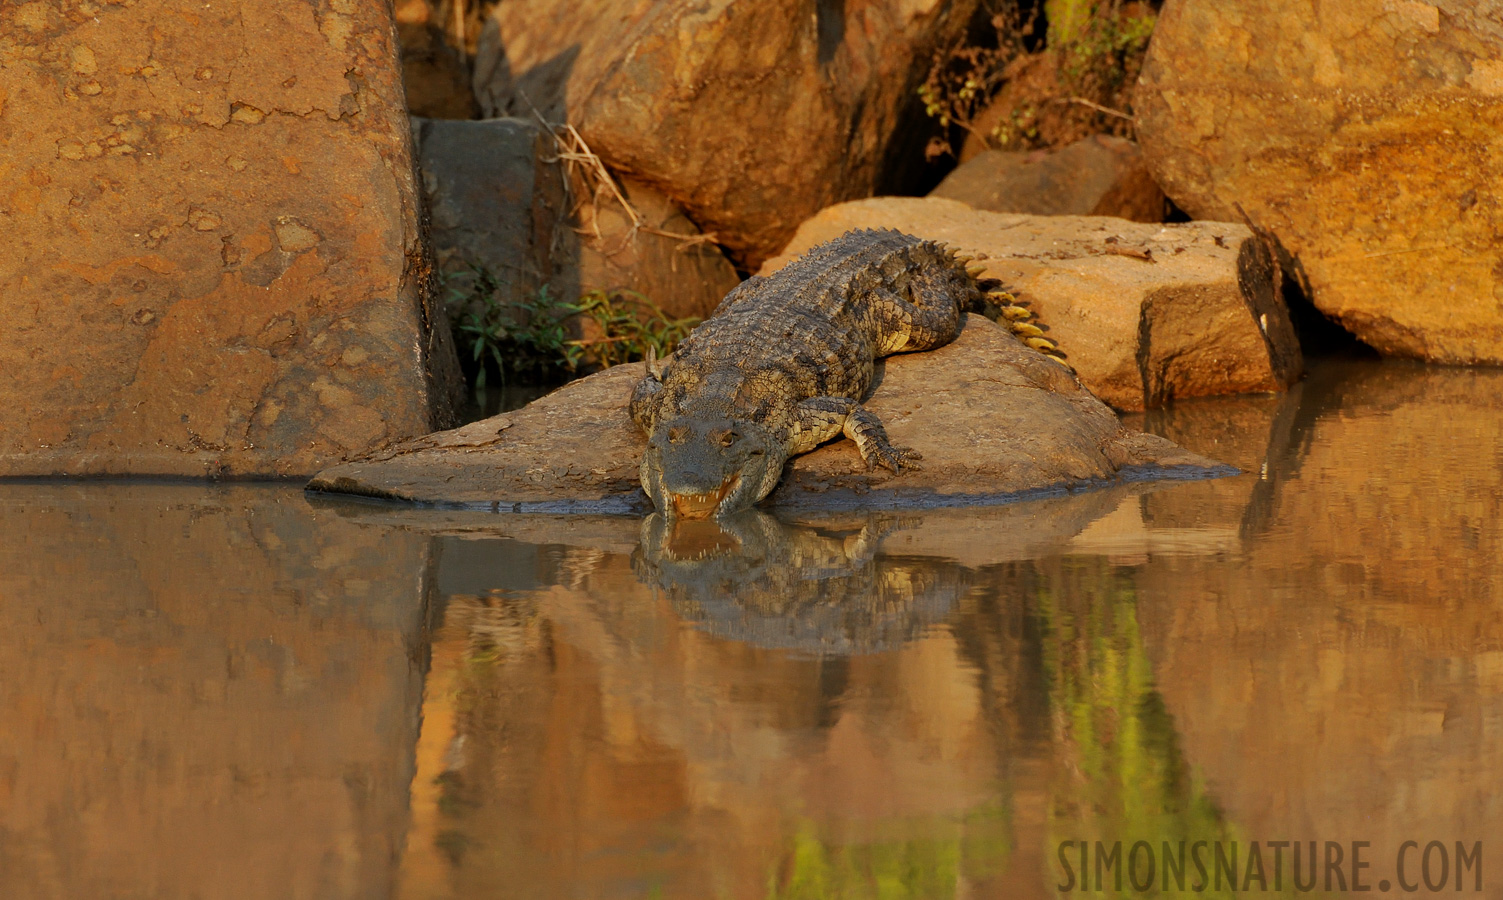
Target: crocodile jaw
x: 703, y: 506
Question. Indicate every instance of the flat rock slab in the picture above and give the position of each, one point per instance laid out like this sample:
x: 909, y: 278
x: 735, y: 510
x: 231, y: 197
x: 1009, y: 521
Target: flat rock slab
x: 1146, y: 313
x: 995, y: 422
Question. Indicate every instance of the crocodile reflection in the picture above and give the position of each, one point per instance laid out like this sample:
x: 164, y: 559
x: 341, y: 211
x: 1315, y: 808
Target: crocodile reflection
x: 824, y: 591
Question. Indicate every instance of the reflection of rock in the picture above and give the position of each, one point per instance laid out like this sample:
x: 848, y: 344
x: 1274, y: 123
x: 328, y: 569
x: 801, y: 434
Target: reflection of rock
x: 579, y: 741
x: 208, y: 693
x: 1342, y: 678
x: 757, y: 580
x: 994, y: 421
x: 1354, y: 131
x: 1145, y: 313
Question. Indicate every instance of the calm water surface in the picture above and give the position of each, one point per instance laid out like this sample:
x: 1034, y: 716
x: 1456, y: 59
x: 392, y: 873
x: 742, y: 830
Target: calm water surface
x: 234, y: 692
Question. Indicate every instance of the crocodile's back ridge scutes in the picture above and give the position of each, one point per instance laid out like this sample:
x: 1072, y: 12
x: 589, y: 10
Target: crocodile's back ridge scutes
x: 813, y: 329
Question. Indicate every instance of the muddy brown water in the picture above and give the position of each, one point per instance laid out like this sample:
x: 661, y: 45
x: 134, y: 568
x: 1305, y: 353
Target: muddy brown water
x: 236, y: 692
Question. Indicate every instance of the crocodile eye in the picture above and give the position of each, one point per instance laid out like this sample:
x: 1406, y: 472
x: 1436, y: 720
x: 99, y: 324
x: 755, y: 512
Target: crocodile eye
x: 729, y: 438
x: 677, y: 434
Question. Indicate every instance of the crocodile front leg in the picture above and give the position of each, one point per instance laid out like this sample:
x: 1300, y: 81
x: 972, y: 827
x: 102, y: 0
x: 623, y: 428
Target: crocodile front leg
x: 646, y: 397
x: 820, y: 419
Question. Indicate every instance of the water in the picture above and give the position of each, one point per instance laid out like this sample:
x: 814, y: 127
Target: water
x: 233, y: 692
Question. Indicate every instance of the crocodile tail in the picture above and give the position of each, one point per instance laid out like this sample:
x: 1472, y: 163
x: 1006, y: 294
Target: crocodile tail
x: 993, y: 301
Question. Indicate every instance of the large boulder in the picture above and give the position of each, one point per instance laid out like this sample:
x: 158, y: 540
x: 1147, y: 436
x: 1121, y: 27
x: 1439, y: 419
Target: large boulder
x: 1357, y: 132
x: 750, y: 115
x: 213, y: 263
x: 993, y: 419
x: 1145, y: 313
x: 1100, y: 175
x: 500, y: 199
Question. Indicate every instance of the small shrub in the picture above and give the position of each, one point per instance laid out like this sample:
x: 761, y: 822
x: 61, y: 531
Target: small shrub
x: 541, y: 340
x: 1079, y: 83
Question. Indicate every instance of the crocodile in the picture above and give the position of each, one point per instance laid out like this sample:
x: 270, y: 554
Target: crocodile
x: 823, y: 590
x: 783, y: 363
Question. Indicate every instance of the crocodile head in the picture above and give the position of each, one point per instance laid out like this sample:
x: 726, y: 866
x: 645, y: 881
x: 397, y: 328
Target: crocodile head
x: 696, y: 467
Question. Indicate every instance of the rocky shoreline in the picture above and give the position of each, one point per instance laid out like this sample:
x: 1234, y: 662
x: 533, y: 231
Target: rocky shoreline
x: 254, y: 276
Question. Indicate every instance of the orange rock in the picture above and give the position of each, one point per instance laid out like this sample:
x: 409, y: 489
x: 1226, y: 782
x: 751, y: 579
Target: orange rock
x: 751, y: 116
x: 1355, y: 132
x: 1098, y: 176
x: 218, y: 235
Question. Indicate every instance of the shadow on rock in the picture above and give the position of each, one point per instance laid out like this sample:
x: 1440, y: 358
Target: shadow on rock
x: 822, y: 591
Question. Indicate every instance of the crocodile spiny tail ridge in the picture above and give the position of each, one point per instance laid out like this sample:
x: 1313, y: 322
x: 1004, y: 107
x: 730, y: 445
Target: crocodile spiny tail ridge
x: 1002, y: 307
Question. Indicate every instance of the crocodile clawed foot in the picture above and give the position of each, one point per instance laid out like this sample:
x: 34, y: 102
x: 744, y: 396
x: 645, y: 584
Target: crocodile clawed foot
x: 896, y: 459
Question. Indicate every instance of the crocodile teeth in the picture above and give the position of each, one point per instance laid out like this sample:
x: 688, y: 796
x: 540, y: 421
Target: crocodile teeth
x: 1027, y: 329
x: 1042, y: 345
x: 975, y: 271
x: 1016, y: 313
x: 1002, y: 298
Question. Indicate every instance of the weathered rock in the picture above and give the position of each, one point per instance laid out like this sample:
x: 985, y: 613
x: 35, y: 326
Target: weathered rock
x: 435, y: 73
x: 1098, y: 176
x: 500, y: 199
x: 213, y: 264
x: 750, y: 116
x: 1356, y: 132
x: 993, y: 419
x: 1145, y: 313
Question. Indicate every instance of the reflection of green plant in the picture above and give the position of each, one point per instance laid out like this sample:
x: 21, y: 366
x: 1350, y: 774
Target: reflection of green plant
x: 542, y: 339
x: 1130, y: 780
x: 817, y: 868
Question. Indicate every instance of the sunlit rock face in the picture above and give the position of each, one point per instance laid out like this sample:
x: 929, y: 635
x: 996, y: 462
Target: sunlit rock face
x: 749, y: 115
x: 1363, y: 135
x: 212, y: 262
x: 1100, y: 175
x: 207, y: 694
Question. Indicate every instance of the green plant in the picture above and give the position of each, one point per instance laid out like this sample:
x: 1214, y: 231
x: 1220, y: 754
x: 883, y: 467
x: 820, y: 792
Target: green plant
x: 541, y: 339
x: 627, y: 325
x: 964, y: 77
x: 1076, y: 85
